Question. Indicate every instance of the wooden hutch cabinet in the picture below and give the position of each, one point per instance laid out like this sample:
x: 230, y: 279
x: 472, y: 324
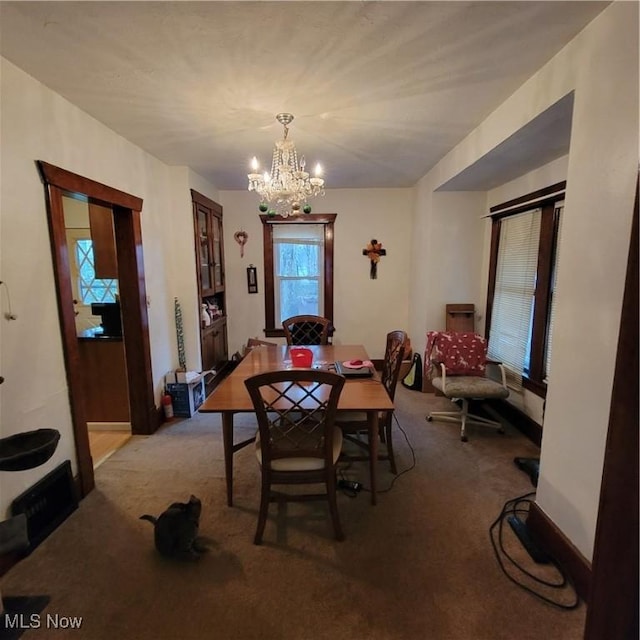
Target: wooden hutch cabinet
x: 207, y: 216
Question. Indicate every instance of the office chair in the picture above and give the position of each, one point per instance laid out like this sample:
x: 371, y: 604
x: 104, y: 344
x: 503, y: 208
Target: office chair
x: 354, y: 423
x: 458, y: 363
x: 305, y: 330
x: 297, y: 441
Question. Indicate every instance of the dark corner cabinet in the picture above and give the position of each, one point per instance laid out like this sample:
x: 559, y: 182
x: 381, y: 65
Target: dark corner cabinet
x: 207, y: 217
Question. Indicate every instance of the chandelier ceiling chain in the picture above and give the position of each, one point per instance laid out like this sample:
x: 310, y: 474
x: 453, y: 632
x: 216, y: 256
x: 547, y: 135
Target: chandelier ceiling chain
x: 286, y: 190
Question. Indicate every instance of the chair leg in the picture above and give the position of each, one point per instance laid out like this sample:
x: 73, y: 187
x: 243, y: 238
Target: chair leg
x: 464, y: 418
x: 264, y: 508
x: 463, y: 423
x: 333, y: 505
x: 485, y: 422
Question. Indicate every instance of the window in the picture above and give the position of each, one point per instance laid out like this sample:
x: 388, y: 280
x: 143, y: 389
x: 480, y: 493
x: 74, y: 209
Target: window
x: 298, y: 268
x: 514, y: 292
x: 522, y: 279
x: 85, y: 287
x: 90, y: 288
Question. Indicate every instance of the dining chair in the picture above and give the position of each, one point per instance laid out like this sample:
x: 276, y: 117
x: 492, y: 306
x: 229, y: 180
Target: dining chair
x: 305, y: 330
x: 297, y: 441
x: 354, y: 424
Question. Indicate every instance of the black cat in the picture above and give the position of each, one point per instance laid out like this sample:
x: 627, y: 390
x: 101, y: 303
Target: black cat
x: 176, y: 530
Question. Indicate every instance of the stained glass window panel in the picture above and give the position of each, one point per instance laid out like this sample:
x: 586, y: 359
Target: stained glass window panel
x: 92, y: 289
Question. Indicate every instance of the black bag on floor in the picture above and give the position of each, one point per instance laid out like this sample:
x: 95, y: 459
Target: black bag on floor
x: 413, y: 379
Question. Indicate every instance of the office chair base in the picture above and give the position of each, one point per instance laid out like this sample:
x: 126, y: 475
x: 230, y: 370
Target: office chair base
x: 463, y: 418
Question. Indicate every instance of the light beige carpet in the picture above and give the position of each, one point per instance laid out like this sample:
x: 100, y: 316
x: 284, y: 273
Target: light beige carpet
x: 419, y: 565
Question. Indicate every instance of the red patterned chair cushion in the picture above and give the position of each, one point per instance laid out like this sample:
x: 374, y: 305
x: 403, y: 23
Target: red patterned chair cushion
x: 463, y: 354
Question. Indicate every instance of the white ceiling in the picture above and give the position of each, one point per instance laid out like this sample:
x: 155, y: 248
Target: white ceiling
x: 380, y: 90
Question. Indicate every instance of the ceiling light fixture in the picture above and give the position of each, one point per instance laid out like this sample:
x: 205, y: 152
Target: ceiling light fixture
x: 286, y: 190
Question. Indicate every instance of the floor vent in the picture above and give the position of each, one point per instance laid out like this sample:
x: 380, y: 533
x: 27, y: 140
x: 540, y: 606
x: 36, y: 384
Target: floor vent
x: 47, y: 503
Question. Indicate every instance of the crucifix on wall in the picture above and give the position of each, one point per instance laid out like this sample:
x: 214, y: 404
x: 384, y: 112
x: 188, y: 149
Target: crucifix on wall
x: 373, y: 251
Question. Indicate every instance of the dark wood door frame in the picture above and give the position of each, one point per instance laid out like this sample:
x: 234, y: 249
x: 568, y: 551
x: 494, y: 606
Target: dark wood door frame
x: 133, y: 303
x: 613, y: 600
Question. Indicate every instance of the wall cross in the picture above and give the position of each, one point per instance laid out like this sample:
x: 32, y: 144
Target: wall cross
x: 373, y: 251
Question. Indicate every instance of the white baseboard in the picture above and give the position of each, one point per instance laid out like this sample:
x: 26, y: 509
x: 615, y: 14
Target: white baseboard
x: 109, y: 426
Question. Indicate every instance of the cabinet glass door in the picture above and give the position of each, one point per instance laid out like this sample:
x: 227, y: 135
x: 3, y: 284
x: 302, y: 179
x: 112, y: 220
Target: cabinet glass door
x: 204, y: 254
x: 218, y: 275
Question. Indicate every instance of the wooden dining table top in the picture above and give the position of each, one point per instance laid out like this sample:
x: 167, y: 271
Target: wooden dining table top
x: 361, y: 394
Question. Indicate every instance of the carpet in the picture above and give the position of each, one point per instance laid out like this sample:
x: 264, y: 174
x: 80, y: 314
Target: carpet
x: 418, y: 565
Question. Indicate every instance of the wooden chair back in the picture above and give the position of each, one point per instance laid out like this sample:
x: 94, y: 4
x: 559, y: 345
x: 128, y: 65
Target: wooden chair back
x: 397, y: 342
x: 296, y: 412
x: 307, y: 329
x: 297, y: 437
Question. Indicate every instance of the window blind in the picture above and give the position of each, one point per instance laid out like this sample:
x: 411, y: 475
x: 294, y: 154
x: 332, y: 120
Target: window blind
x: 552, y: 307
x: 512, y: 311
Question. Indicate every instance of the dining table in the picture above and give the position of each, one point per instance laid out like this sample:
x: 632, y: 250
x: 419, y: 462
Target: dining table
x: 230, y: 397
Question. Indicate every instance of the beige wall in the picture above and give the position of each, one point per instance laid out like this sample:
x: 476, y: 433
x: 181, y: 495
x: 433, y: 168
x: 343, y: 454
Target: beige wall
x: 365, y: 310
x: 601, y: 181
x: 601, y: 66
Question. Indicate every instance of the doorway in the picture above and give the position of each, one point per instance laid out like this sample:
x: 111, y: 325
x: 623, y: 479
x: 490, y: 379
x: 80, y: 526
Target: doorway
x: 93, y: 267
x: 143, y: 414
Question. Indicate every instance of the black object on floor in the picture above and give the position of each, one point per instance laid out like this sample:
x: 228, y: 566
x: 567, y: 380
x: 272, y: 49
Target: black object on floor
x: 522, y: 532
x: 349, y: 485
x: 21, y: 613
x: 531, y: 466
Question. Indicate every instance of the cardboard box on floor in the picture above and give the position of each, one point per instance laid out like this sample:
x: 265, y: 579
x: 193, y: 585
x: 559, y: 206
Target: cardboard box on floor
x: 186, y: 396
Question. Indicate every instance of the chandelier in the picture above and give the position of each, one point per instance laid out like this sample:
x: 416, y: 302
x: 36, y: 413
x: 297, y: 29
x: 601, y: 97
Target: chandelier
x: 285, y: 191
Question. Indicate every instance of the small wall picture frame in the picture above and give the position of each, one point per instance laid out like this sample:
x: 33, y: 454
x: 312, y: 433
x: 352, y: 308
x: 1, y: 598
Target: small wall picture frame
x: 252, y: 279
